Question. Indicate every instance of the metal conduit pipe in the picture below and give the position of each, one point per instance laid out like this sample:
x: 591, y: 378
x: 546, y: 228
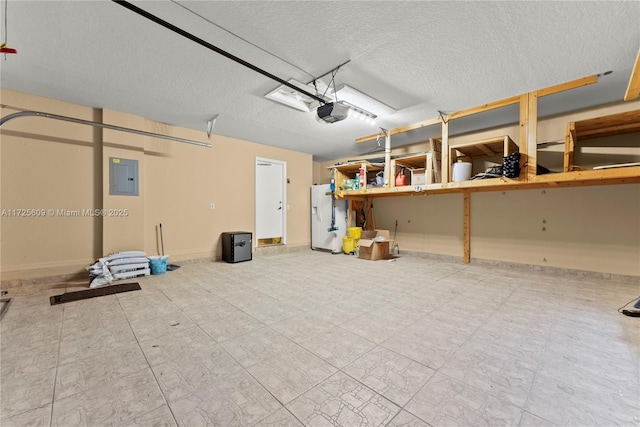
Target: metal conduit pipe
x: 9, y: 117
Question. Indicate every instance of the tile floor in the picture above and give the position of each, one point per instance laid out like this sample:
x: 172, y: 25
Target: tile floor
x: 309, y: 338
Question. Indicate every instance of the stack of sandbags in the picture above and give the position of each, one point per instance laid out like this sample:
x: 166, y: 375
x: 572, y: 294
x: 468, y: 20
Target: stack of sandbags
x: 118, y: 266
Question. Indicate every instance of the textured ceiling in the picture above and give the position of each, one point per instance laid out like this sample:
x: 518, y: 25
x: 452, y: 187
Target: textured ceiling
x: 418, y: 57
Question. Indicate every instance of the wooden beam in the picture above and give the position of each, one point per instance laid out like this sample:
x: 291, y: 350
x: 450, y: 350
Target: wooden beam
x: 467, y: 227
x: 484, y: 107
x: 617, y: 176
x: 407, y: 128
x: 532, y: 136
x: 436, y: 150
x: 506, y: 146
x: 528, y: 133
x: 633, y: 89
x: 569, y: 146
x: 584, y: 81
x: 445, y: 153
x: 523, y: 132
x: 610, y: 130
x: 486, y: 150
x: 428, y: 170
x: 612, y: 124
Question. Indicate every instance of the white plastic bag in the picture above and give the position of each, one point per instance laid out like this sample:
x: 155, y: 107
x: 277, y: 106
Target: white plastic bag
x: 100, y: 273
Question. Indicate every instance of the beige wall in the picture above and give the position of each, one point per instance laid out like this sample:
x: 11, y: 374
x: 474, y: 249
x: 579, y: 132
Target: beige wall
x: 587, y: 228
x: 58, y: 165
x: 431, y: 224
x: 584, y: 228
x: 47, y: 164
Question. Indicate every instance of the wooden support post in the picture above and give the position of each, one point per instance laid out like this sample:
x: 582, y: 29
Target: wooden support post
x: 392, y: 173
x: 388, y: 170
x: 569, y: 146
x: 633, y: 89
x: 532, y: 137
x: 467, y: 227
x: 528, y: 133
x: 436, y: 156
x: 445, y: 153
x: 524, y: 125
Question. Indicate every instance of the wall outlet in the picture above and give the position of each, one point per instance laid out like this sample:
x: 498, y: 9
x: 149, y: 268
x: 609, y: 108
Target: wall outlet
x: 213, y: 205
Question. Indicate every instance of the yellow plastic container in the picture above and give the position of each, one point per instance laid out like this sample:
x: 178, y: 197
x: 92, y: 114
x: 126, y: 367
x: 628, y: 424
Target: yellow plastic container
x: 348, y: 245
x: 354, y: 232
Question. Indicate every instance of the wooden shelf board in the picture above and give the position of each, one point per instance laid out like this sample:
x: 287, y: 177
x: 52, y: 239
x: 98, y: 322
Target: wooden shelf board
x: 402, y: 129
x: 633, y: 89
x: 628, y: 175
x: 415, y: 161
x: 614, y: 124
x: 485, y: 148
x: 354, y: 167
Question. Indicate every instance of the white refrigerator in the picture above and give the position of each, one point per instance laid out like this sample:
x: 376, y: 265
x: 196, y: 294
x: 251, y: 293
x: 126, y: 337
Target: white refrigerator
x: 328, y: 220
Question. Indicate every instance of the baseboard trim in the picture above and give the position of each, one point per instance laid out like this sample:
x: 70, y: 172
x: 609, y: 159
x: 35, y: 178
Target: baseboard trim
x: 284, y: 249
x: 429, y: 255
x: 586, y: 274
x: 278, y: 249
x: 622, y: 278
x: 44, y: 280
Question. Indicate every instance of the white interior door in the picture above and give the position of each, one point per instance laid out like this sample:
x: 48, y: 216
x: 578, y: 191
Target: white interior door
x: 270, y: 200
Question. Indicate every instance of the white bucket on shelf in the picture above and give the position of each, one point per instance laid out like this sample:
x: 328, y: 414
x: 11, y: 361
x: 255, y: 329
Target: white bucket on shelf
x: 461, y: 171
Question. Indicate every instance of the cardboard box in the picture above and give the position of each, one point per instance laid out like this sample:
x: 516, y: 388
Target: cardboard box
x: 418, y: 177
x: 374, y: 250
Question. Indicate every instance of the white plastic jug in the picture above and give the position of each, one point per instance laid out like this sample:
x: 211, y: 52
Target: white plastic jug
x: 461, y: 171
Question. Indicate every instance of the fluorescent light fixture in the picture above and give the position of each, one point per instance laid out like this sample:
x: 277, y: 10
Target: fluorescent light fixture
x: 359, y: 113
x: 293, y: 98
x: 363, y: 102
x: 360, y: 106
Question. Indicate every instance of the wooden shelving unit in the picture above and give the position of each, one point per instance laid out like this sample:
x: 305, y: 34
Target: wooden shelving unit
x: 615, y: 124
x: 417, y: 165
x: 599, y: 127
x: 503, y: 145
x: 347, y: 171
x: 490, y: 147
x: 629, y: 175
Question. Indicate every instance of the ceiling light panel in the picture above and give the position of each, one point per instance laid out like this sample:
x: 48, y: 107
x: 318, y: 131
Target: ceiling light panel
x: 293, y: 98
x: 364, y: 102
